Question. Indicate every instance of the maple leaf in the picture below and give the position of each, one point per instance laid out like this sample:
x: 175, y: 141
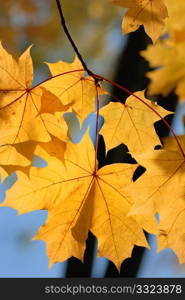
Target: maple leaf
x: 149, y: 13
x: 165, y: 169
x: 3, y: 175
x: 79, y: 198
x: 10, y: 156
x: 70, y: 85
x: 161, y: 189
x: 176, y: 23
x: 170, y: 143
x: 56, y: 147
x: 56, y: 125
x: 171, y: 227
x: 168, y: 58
x: 52, y: 104
x: 131, y: 123
x: 21, y: 108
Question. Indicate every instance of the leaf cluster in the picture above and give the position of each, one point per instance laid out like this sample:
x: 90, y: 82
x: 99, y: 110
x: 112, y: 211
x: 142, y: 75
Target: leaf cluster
x: 78, y: 195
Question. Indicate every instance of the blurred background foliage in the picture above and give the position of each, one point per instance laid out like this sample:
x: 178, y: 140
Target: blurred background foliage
x: 91, y: 23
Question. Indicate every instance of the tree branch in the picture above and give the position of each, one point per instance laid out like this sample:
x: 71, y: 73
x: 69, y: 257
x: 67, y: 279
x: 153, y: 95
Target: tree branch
x: 69, y: 37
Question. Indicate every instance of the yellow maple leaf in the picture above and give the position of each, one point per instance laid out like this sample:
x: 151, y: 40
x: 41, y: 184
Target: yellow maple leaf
x: 131, y: 123
x: 149, y: 13
x: 10, y: 156
x: 161, y: 189
x: 3, y: 174
x: 56, y: 125
x: 23, y: 109
x: 19, y: 105
x: 170, y: 143
x: 165, y: 169
x: 176, y: 22
x: 171, y: 227
x: 168, y: 59
x: 51, y: 103
x: 72, y: 87
x: 79, y: 198
x: 56, y: 147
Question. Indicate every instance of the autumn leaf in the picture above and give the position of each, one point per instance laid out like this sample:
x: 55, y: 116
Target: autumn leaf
x: 3, y: 175
x: 73, y: 88
x: 132, y: 123
x: 167, y: 57
x: 79, y: 198
x: 56, y: 125
x: 21, y: 108
x: 55, y: 147
x: 164, y: 171
x: 17, y: 105
x: 170, y: 143
x: 149, y: 13
x: 51, y: 103
x: 161, y: 189
x: 171, y: 227
x: 176, y: 23
x: 10, y: 156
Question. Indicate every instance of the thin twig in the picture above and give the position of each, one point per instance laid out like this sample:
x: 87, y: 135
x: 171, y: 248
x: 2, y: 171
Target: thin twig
x: 66, y: 31
x: 89, y: 72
